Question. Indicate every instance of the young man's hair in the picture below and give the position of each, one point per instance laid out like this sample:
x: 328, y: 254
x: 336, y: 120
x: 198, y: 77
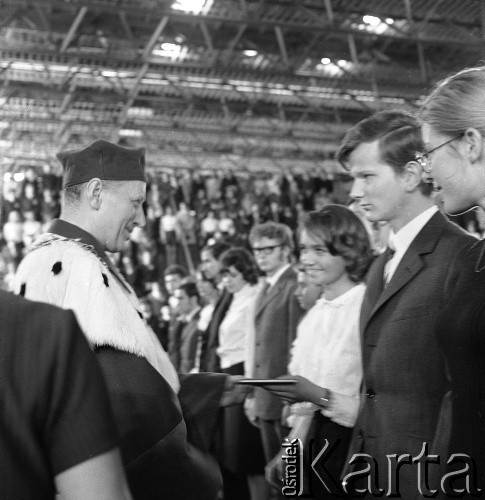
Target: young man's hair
x: 217, y: 249
x: 344, y: 234
x: 176, y: 269
x: 273, y: 231
x: 399, y: 138
x: 242, y: 260
x: 190, y: 288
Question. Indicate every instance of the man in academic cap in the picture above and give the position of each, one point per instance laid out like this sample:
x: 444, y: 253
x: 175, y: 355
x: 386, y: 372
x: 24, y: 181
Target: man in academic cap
x: 103, y: 192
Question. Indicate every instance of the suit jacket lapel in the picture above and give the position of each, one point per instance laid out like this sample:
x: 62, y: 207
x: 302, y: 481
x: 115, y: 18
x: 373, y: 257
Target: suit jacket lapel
x: 375, y: 285
x: 273, y: 292
x: 410, y: 265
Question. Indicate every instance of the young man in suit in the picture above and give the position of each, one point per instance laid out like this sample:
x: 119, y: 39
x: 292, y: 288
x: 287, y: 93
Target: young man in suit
x: 276, y: 318
x: 183, y: 347
x: 404, y: 373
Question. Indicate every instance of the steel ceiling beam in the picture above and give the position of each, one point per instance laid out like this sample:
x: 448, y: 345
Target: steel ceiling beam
x: 73, y: 29
x: 282, y: 45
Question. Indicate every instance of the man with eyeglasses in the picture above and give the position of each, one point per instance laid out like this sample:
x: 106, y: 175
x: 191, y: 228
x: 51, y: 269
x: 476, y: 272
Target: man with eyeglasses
x: 405, y: 378
x: 276, y: 318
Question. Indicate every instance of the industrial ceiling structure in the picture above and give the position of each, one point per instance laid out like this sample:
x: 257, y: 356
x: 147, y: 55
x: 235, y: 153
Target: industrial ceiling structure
x: 258, y: 85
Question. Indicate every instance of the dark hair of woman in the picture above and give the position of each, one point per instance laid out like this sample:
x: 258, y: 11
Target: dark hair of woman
x: 344, y: 234
x: 242, y: 260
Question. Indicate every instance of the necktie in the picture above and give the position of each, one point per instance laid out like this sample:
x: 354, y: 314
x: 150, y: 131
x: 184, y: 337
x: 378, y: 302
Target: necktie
x: 389, y: 254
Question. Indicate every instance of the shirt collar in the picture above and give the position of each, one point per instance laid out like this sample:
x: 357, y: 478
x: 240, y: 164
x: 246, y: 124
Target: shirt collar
x: 347, y: 297
x: 246, y: 290
x: 271, y: 280
x: 401, y: 240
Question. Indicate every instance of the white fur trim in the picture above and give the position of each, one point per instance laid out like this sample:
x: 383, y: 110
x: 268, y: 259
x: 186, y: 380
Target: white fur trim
x: 107, y: 314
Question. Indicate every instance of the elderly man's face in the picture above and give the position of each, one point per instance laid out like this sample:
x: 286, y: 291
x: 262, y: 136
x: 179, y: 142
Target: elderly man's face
x: 121, y: 211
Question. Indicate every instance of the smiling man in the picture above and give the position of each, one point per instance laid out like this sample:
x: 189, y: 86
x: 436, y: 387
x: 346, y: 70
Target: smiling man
x: 103, y: 191
x: 404, y: 373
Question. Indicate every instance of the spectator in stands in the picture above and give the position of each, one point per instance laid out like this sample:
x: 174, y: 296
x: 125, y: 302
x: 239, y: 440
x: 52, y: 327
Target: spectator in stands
x: 186, y: 222
x: 173, y: 277
x: 31, y: 200
x: 50, y: 207
x: 323, y: 196
x: 49, y: 180
x: 209, y: 226
x: 10, y: 198
x: 147, y: 271
x: 226, y: 225
x: 31, y: 228
x: 31, y: 183
x: 169, y: 234
x: 13, y: 229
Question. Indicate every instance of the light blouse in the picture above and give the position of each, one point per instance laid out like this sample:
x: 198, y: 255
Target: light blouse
x: 327, y: 352
x: 237, y: 327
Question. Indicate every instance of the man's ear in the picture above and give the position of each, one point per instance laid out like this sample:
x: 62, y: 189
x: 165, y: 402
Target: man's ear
x: 474, y: 145
x: 413, y: 175
x: 94, y: 193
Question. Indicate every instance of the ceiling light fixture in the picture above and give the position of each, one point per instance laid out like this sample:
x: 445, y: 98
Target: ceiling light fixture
x: 193, y: 6
x: 169, y: 47
x: 372, y: 20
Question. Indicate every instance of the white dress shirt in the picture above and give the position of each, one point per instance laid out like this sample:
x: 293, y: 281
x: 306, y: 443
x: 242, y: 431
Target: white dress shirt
x: 271, y: 280
x: 401, y: 240
x: 237, y: 326
x: 327, y: 352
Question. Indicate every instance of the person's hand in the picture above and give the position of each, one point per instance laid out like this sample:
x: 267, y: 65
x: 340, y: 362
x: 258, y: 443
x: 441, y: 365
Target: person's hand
x: 249, y: 410
x: 233, y: 393
x: 303, y: 390
x: 273, y: 472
